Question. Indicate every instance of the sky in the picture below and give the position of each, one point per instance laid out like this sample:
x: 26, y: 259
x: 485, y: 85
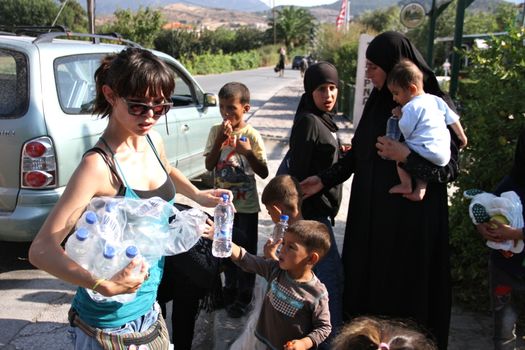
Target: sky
x: 298, y: 2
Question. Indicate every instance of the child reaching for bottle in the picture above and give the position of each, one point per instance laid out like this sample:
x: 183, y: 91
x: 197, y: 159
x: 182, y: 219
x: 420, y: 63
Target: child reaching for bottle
x: 423, y: 120
x: 294, y: 314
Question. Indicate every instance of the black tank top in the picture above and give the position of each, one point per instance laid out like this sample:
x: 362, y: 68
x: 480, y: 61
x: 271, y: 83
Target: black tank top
x: 165, y: 191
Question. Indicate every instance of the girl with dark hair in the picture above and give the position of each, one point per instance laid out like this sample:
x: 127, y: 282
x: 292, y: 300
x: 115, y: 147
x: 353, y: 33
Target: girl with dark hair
x: 133, y: 90
x: 369, y: 333
x: 396, y: 252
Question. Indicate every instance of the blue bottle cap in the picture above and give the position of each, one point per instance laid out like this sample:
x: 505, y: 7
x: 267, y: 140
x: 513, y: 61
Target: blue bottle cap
x: 109, y: 251
x: 243, y: 138
x: 110, y: 206
x: 82, y: 234
x: 284, y: 217
x: 132, y: 251
x: 225, y: 197
x: 91, y: 217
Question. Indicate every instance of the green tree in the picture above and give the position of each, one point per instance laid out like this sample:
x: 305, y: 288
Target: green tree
x: 220, y: 39
x: 493, y: 115
x: 293, y: 26
x: 181, y: 44
x: 498, y: 19
x: 42, y: 13
x: 142, y: 26
x: 382, y: 19
x: 247, y: 38
x: 73, y: 16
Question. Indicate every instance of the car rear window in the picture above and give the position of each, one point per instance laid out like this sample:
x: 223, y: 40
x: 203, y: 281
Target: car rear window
x: 13, y: 84
x: 75, y: 82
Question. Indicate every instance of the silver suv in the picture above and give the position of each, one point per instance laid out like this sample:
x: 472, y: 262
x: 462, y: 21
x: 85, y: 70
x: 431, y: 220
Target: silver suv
x: 46, y: 94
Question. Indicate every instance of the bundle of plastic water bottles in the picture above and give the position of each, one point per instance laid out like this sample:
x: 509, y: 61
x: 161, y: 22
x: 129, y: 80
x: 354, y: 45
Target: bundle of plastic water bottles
x: 115, y: 230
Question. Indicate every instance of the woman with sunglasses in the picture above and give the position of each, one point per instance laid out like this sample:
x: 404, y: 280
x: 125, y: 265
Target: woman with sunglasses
x: 133, y: 91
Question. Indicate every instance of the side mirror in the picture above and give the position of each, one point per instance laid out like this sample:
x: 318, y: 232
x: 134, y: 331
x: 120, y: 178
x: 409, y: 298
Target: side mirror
x: 210, y: 100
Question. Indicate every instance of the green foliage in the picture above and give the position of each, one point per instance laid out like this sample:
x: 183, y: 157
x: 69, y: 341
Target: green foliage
x: 209, y: 63
x: 499, y: 19
x: 493, y: 116
x: 340, y: 48
x: 184, y: 44
x: 293, y: 26
x: 142, y: 26
x: 74, y: 17
x: 178, y: 43
x: 382, y: 19
x: 42, y: 13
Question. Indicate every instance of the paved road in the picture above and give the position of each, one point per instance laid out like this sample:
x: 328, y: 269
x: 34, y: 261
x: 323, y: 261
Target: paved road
x: 34, y: 304
x: 262, y: 83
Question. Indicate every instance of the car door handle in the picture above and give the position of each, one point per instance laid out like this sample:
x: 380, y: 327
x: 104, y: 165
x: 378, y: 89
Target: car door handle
x: 185, y: 128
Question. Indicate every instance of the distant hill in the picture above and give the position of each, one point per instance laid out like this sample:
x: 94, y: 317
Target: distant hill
x: 107, y: 7
x: 233, y: 13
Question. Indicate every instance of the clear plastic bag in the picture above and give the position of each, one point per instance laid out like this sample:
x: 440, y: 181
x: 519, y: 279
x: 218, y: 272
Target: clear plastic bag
x: 144, y: 223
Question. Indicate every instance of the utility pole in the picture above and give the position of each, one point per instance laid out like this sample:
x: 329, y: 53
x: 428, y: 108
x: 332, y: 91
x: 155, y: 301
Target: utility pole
x: 91, y: 16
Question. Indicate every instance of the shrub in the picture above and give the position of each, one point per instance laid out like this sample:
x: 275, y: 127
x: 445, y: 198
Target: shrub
x: 493, y: 116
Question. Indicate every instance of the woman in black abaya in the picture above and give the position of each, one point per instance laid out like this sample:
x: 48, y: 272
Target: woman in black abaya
x: 313, y: 148
x: 396, y: 252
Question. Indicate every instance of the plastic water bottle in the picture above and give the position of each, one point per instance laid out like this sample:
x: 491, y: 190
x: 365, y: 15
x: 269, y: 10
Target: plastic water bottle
x: 392, y: 128
x: 88, y: 220
x: 222, y: 239
x: 129, y: 254
x: 107, y: 265
x: 112, y: 222
x: 280, y: 228
x: 79, y: 247
x: 104, y: 266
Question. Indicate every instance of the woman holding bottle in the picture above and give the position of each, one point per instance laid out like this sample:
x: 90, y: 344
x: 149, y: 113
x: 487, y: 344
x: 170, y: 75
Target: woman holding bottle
x: 133, y: 90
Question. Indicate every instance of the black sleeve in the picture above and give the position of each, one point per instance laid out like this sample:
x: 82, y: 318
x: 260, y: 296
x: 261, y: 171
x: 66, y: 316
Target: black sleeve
x: 339, y: 172
x: 302, y: 145
x: 421, y: 168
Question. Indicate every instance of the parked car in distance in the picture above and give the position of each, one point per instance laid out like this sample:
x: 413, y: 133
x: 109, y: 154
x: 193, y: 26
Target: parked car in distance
x: 47, y: 90
x: 296, y: 62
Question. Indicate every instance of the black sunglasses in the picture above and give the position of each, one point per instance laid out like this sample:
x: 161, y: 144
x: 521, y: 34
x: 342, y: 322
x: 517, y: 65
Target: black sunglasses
x: 139, y: 109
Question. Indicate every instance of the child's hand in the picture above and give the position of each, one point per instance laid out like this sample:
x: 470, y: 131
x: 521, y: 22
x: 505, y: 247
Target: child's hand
x: 270, y: 249
x: 243, y: 146
x: 209, y: 229
x: 501, y: 232
x: 296, y: 344
x: 227, y: 128
x: 397, y: 111
x: 462, y: 141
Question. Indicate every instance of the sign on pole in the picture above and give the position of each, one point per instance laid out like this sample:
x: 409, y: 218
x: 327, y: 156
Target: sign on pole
x: 363, y: 86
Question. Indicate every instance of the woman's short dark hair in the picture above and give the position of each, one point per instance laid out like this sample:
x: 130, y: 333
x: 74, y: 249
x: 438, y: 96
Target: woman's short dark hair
x: 134, y: 72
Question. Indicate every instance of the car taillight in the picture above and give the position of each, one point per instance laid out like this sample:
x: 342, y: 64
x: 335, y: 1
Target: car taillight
x: 38, y: 165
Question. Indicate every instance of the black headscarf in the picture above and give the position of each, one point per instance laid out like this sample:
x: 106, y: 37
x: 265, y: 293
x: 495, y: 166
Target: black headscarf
x: 317, y: 74
x: 385, y: 50
x: 388, y: 48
